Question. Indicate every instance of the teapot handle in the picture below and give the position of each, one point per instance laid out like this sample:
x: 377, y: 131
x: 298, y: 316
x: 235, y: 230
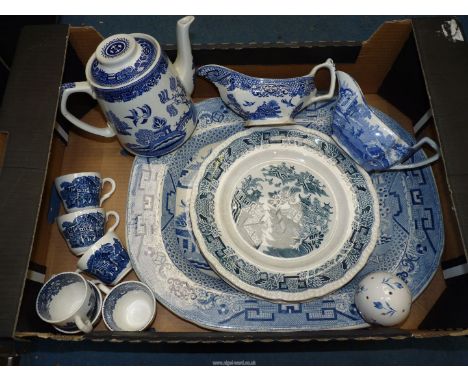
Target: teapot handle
x: 331, y: 67
x: 424, y: 162
x: 81, y: 87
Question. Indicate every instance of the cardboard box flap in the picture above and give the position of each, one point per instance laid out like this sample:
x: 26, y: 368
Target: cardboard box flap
x: 28, y: 116
x: 441, y: 44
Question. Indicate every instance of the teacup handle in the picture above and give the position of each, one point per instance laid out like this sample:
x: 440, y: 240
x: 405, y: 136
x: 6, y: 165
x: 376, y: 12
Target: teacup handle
x: 103, y: 288
x: 116, y: 217
x: 84, y: 326
x: 110, y: 192
x: 424, y: 162
x: 331, y: 92
x: 81, y: 87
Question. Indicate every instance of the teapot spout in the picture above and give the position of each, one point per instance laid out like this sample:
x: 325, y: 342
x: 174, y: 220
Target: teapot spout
x: 184, y: 61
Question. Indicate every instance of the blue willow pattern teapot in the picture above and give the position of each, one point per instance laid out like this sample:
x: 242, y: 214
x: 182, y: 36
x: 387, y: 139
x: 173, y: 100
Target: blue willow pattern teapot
x: 145, y: 98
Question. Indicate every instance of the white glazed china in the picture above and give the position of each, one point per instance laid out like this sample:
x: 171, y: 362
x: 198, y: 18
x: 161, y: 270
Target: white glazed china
x: 83, y: 228
x: 160, y: 242
x: 129, y: 306
x: 366, y: 137
x: 107, y: 260
x: 267, y: 101
x: 67, y: 301
x: 82, y: 190
x: 145, y: 98
x: 383, y: 298
x: 94, y: 313
x: 283, y: 213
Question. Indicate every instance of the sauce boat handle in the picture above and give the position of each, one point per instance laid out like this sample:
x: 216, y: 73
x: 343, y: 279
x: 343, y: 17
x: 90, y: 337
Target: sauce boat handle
x: 329, y: 64
x: 424, y: 162
x: 81, y: 87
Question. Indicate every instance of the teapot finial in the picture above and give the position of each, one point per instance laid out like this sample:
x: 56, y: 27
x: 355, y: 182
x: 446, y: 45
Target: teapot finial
x: 184, y: 61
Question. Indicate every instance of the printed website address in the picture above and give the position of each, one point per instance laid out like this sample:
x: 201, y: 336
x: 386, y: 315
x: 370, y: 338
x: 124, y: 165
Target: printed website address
x: 234, y: 363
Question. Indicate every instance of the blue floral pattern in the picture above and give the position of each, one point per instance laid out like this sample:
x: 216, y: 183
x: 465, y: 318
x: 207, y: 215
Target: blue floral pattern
x: 163, y: 138
x: 136, y: 88
x: 82, y: 192
x: 365, y: 137
x: 84, y: 230
x: 108, y: 262
x: 259, y: 99
x: 282, y: 206
x: 413, y: 225
x: 146, y: 59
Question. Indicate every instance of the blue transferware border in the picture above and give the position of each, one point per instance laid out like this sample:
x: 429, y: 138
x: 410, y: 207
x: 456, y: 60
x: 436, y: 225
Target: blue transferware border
x: 104, y: 78
x: 410, y: 242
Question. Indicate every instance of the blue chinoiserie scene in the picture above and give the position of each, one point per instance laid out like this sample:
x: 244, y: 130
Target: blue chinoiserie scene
x: 273, y: 207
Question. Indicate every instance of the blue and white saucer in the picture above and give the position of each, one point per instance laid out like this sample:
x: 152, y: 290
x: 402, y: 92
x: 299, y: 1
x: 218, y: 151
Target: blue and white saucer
x: 165, y: 255
x: 284, y: 214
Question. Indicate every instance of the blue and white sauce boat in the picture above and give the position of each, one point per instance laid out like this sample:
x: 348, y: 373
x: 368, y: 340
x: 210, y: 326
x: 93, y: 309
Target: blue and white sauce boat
x: 366, y: 138
x: 145, y: 98
x: 267, y: 101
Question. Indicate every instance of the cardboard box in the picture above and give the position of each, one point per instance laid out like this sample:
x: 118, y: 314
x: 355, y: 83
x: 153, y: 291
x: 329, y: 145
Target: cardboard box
x: 405, y: 68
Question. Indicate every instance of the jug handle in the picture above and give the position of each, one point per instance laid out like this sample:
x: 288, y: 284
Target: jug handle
x: 424, y: 162
x: 331, y: 67
x: 81, y: 87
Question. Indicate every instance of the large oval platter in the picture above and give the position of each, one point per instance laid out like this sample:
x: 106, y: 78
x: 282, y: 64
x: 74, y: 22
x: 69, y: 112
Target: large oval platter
x: 161, y: 246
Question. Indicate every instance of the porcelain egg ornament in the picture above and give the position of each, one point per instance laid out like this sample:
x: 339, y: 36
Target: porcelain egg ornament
x: 383, y: 299
x: 143, y: 95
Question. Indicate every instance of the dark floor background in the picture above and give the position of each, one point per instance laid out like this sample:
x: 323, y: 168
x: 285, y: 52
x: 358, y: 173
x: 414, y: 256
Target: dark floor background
x: 240, y: 29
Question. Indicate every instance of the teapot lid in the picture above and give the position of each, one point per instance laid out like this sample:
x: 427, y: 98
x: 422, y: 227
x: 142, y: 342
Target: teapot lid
x: 122, y: 58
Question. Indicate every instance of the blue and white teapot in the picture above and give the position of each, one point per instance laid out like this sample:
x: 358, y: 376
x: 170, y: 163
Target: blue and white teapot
x: 145, y: 98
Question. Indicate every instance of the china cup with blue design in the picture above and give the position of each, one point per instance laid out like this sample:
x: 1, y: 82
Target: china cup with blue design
x: 129, y: 306
x: 83, y: 228
x: 82, y: 190
x: 94, y: 313
x: 267, y: 101
x: 366, y: 138
x: 67, y: 301
x: 145, y: 98
x: 106, y: 259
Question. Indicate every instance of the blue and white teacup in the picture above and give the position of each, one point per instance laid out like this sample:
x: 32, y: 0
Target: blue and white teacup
x: 83, y: 190
x: 83, y: 228
x: 93, y: 314
x: 106, y: 259
x: 129, y: 306
x: 366, y: 138
x: 67, y: 301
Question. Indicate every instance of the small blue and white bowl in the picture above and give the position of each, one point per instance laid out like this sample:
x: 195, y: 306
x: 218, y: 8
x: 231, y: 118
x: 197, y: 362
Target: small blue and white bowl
x: 83, y: 190
x: 267, y: 101
x: 383, y: 299
x: 129, y: 306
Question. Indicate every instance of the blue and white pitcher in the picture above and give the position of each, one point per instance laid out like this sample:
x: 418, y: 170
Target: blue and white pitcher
x: 366, y: 138
x: 145, y: 98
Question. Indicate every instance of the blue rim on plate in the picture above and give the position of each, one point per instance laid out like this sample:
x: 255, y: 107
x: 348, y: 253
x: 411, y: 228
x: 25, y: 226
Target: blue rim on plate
x: 410, y: 240
x: 303, y: 216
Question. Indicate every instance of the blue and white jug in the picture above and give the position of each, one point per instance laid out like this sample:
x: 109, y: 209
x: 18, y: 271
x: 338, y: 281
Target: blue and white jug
x: 145, y: 98
x: 366, y: 138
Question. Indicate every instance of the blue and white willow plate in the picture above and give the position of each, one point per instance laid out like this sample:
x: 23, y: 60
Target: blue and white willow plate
x: 409, y: 243
x: 284, y: 214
